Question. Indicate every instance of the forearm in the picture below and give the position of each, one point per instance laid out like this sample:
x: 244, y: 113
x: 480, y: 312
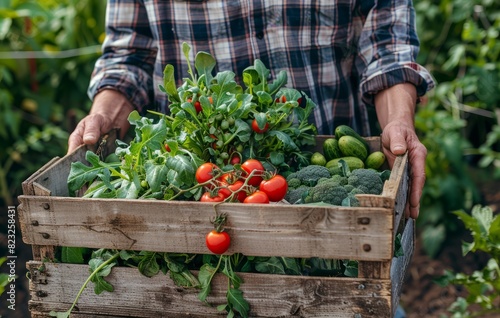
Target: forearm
x: 396, y: 104
x: 396, y: 113
x: 114, y: 106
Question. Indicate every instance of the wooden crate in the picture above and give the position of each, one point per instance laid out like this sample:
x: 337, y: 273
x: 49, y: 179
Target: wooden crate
x: 50, y: 218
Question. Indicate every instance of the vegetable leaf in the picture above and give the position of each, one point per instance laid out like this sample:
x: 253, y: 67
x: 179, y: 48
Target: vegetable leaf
x: 237, y: 302
x: 285, y: 138
x: 205, y: 276
x: 148, y: 266
x: 204, y: 64
x: 73, y: 255
x: 169, y: 83
x: 155, y: 174
x: 271, y: 265
x: 81, y: 173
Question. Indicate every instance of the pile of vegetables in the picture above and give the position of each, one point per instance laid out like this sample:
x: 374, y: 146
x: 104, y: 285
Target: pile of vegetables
x: 224, y: 142
x: 346, y: 167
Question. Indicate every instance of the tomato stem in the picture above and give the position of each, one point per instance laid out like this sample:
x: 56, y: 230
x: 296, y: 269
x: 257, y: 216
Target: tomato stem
x: 219, y: 221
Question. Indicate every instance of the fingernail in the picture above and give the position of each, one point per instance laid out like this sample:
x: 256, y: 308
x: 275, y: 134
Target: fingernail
x: 88, y: 137
x: 398, y: 148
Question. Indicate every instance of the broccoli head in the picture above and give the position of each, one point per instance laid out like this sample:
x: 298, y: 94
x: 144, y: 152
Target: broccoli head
x: 355, y: 191
x: 293, y: 183
x: 310, y: 175
x: 323, y: 180
x: 291, y: 175
x: 340, y: 179
x: 367, y: 180
x: 326, y: 192
x: 351, y: 200
x: 349, y: 187
x: 296, y: 195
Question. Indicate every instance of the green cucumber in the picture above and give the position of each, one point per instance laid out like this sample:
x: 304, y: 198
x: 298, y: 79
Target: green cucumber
x: 344, y: 130
x: 375, y: 160
x: 352, y: 147
x: 317, y: 158
x: 331, y: 149
x: 352, y: 162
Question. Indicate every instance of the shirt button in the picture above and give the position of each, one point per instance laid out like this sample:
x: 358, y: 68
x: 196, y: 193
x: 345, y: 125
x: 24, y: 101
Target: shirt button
x: 260, y: 35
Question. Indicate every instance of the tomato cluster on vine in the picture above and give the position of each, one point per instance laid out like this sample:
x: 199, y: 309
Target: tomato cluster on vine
x: 248, y: 182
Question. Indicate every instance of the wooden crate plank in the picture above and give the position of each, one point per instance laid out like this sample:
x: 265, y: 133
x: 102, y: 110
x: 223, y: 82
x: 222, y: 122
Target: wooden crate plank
x: 268, y: 295
x: 54, y: 176
x: 401, y: 264
x: 179, y: 226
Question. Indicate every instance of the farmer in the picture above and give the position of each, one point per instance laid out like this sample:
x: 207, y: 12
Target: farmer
x: 355, y: 59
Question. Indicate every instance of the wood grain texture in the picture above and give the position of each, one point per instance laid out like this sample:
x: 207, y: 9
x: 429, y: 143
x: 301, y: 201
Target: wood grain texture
x: 401, y: 264
x: 364, y: 233
x: 268, y: 295
x: 258, y: 230
x: 49, y: 218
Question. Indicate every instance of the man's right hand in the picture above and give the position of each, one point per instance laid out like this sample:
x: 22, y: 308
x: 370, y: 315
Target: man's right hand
x: 110, y: 109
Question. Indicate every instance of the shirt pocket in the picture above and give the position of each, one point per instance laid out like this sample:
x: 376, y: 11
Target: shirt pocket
x: 323, y: 23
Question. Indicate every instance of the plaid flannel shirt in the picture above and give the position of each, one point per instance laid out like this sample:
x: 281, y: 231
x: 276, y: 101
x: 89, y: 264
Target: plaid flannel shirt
x: 339, y: 52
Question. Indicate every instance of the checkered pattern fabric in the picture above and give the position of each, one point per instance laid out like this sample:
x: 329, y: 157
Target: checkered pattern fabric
x: 339, y: 52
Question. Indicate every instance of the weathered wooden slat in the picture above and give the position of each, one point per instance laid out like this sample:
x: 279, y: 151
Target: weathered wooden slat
x: 400, y: 265
x: 31, y: 187
x: 284, y: 230
x: 268, y: 295
x: 50, y: 218
x: 54, y: 177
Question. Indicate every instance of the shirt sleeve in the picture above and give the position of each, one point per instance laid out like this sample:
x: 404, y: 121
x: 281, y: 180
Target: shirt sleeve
x: 389, y: 46
x: 128, y: 57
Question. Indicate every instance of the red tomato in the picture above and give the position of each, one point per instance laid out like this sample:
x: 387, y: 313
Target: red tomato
x: 282, y: 99
x: 212, y: 197
x: 217, y: 242
x: 255, y: 127
x: 228, y: 189
x: 228, y: 178
x: 275, y: 187
x: 257, y: 197
x: 235, y: 159
x: 250, y: 165
x: 205, y: 172
x: 197, y: 106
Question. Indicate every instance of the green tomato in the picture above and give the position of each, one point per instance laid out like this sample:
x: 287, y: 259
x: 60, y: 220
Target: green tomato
x: 224, y: 125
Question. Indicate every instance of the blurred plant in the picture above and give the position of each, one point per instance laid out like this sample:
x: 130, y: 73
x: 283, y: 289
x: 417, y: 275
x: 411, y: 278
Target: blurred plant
x: 459, y: 46
x: 47, y: 52
x: 483, y: 286
x: 448, y: 186
x: 4, y: 277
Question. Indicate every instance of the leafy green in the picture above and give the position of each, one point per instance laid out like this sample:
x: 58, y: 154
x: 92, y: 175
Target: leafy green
x: 73, y: 255
x: 483, y: 285
x: 4, y: 278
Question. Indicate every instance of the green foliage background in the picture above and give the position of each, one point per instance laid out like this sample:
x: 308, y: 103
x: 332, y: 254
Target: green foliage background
x: 459, y: 124
x: 42, y: 97
x: 48, y: 48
